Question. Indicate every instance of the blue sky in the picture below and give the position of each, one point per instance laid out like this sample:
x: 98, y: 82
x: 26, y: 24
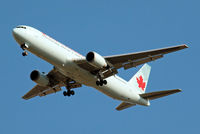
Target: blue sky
x: 108, y: 27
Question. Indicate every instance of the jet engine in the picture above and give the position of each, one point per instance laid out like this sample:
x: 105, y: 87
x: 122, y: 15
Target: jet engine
x: 39, y: 78
x: 96, y: 60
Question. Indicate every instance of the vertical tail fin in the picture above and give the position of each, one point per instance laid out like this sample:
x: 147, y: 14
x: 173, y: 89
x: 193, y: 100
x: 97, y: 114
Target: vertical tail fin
x: 140, y: 79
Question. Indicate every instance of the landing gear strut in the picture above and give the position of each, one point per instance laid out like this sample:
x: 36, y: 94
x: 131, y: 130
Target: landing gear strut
x: 24, y: 47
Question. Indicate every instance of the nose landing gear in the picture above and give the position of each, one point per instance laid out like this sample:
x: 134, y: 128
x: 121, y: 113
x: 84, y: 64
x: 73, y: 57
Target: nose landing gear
x: 24, y: 53
x: 24, y: 47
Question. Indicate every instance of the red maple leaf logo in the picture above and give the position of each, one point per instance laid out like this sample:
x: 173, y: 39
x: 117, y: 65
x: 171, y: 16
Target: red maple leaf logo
x: 140, y: 82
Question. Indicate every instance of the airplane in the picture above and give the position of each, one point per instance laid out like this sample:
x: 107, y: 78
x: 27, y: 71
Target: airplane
x: 72, y: 70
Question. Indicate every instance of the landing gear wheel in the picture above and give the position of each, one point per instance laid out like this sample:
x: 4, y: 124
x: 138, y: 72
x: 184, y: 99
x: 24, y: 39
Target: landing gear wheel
x: 101, y: 83
x: 68, y: 93
x: 24, y: 53
x: 97, y: 83
x: 104, y: 82
x: 65, y: 93
x: 72, y: 92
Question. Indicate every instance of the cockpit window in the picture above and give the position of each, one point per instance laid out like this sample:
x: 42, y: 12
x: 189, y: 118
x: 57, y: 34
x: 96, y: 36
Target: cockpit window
x: 21, y: 27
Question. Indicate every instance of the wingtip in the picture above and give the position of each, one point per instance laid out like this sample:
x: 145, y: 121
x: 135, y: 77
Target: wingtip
x: 178, y: 90
x: 117, y: 109
x: 185, y: 46
x: 24, y: 97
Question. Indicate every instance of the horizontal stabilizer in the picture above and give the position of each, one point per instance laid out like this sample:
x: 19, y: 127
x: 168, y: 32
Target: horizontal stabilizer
x: 124, y: 105
x: 158, y: 94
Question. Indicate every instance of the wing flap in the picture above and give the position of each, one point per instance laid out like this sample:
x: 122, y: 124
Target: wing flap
x: 124, y: 105
x: 50, y: 91
x: 142, y: 61
x: 159, y: 94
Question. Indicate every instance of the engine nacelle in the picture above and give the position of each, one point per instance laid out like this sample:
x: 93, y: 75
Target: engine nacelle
x: 96, y: 60
x: 39, y: 78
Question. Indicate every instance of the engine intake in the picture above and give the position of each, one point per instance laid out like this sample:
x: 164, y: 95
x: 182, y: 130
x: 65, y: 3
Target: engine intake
x: 39, y: 78
x: 96, y: 60
x: 90, y: 56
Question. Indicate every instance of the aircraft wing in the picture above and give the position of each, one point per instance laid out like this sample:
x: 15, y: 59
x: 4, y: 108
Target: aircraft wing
x: 57, y: 81
x: 134, y: 59
x: 128, y: 60
x: 34, y: 92
x: 40, y: 91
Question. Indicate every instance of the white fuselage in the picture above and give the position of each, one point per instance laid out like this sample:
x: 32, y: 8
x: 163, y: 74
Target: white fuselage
x: 63, y: 58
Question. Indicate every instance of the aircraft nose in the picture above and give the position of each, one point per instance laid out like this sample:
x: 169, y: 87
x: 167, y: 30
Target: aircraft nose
x: 16, y: 34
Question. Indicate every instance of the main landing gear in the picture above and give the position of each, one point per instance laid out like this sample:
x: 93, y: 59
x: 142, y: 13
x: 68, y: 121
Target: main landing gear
x: 68, y: 93
x: 101, y: 82
x: 24, y: 47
